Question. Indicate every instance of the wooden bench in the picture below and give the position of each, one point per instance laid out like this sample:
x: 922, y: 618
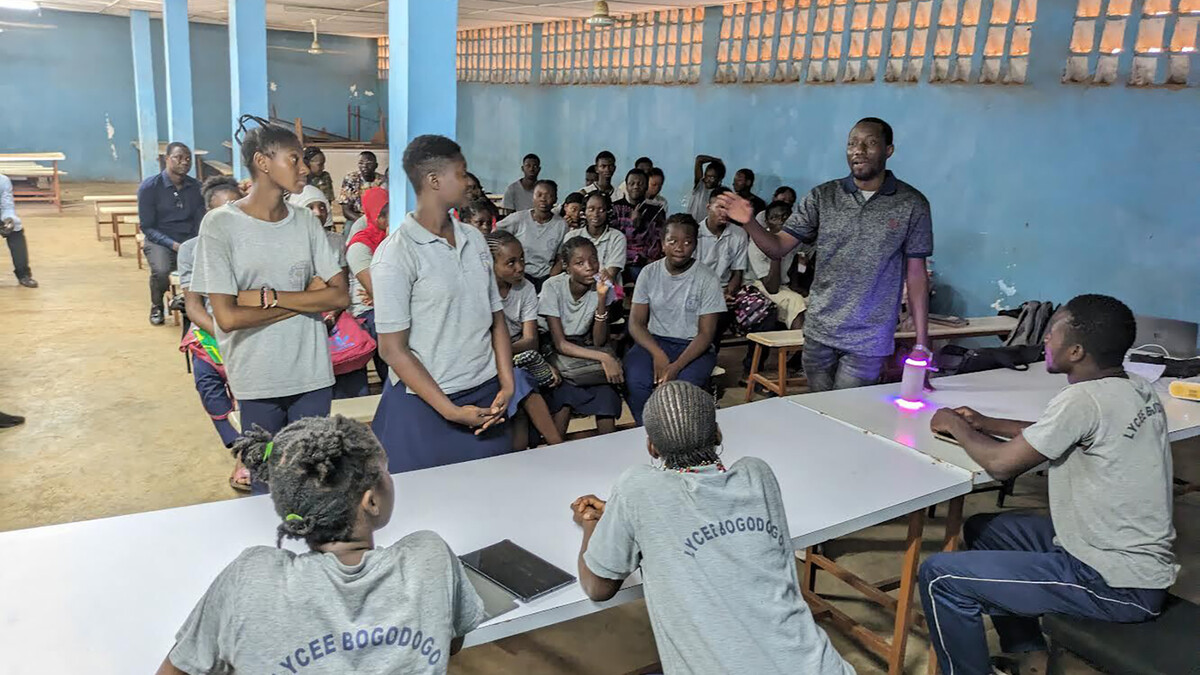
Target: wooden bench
x: 119, y: 215
x: 25, y: 165
x: 100, y: 202
x: 220, y: 167
x: 1166, y: 645
x: 361, y: 408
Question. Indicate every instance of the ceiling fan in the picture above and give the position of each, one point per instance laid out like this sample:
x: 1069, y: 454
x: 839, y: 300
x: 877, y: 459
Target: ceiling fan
x: 315, y: 48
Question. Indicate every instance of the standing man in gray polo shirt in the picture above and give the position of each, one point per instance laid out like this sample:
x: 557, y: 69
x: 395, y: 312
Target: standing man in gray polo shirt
x: 872, y: 234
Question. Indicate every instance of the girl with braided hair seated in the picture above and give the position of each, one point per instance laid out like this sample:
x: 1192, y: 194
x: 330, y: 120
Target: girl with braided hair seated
x: 345, y: 606
x: 713, y: 547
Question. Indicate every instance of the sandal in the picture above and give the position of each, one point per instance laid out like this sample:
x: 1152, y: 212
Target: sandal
x: 240, y: 480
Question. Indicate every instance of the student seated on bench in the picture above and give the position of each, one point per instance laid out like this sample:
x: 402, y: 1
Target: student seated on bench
x: 1105, y: 550
x: 358, y: 608
x: 713, y: 545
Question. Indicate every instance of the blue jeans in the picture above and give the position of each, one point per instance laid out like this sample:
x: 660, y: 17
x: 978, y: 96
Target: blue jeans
x: 828, y: 368
x: 1013, y: 571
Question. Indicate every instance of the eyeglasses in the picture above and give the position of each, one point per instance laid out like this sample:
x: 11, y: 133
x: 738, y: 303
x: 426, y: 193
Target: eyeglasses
x: 178, y: 200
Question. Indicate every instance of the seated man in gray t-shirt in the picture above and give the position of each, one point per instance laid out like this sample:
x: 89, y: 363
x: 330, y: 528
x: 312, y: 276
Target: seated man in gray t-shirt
x: 344, y: 606
x: 1105, y: 550
x: 713, y: 545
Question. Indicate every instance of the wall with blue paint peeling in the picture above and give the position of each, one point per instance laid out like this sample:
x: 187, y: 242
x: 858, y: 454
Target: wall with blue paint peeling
x: 1038, y: 191
x: 58, y: 88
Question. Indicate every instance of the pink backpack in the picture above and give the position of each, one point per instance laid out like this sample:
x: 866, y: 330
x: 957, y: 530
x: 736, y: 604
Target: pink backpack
x: 350, y: 345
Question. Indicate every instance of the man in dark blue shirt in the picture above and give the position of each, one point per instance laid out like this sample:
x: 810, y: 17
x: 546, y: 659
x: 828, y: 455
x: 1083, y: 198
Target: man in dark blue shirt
x: 170, y: 208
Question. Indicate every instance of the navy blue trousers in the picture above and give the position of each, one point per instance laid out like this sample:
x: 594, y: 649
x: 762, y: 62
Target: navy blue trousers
x: 1012, y: 570
x: 276, y: 413
x: 639, y: 371
x: 214, y: 395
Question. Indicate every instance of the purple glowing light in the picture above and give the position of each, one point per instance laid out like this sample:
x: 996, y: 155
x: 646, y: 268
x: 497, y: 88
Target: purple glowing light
x: 920, y: 363
x: 909, y: 405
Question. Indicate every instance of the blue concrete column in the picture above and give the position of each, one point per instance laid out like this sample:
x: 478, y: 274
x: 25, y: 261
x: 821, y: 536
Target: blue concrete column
x: 177, y: 50
x: 143, y: 91
x: 422, y: 84
x: 247, y: 68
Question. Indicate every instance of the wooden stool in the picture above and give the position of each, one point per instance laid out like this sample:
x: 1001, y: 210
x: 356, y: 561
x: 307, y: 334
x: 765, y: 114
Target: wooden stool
x: 141, y: 241
x: 118, y: 235
x: 361, y: 408
x: 787, y: 342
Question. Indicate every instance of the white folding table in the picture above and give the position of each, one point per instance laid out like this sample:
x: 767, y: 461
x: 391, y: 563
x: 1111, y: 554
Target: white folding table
x: 108, y: 595
x: 1003, y: 393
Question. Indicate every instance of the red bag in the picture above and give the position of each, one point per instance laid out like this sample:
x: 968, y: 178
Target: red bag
x: 350, y: 345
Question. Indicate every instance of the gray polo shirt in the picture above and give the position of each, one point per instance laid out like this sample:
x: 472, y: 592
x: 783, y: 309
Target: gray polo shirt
x: 861, y: 251
x: 237, y: 252
x: 274, y: 611
x: 1110, y: 479
x: 718, y: 569
x: 444, y: 296
x: 520, y: 306
x: 576, y: 315
x: 358, y: 258
x: 724, y: 253
x: 677, y: 301
x: 610, y: 245
x: 540, y: 240
x: 697, y: 202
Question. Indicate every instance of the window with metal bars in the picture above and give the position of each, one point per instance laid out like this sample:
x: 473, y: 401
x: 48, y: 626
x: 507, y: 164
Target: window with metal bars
x: 502, y: 55
x: 661, y: 47
x: 1152, y: 42
x: 382, y: 57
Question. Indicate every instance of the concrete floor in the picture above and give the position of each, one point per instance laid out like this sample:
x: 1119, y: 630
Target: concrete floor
x: 115, y: 427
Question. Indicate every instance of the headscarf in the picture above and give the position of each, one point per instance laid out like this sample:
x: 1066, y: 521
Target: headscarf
x: 373, y: 201
x: 310, y: 195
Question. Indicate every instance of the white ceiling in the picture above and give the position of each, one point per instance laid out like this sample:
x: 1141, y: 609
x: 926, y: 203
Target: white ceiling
x: 368, y: 18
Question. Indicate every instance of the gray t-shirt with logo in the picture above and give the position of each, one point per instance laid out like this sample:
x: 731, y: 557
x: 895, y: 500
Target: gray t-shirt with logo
x: 517, y: 198
x: 718, y: 569
x: 236, y: 252
x: 520, y: 306
x: 273, y: 611
x: 540, y: 240
x: 1110, y: 479
x: 576, y: 315
x: 677, y: 301
x: 861, y: 251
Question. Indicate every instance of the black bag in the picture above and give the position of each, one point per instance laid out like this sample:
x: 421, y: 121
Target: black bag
x: 956, y: 360
x: 1032, y: 322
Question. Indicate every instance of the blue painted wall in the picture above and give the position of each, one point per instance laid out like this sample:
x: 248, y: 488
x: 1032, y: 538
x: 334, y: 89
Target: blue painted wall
x: 1050, y: 189
x: 59, y: 98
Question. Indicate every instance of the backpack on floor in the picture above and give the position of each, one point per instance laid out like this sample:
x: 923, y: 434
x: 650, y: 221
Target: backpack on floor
x: 1032, y: 322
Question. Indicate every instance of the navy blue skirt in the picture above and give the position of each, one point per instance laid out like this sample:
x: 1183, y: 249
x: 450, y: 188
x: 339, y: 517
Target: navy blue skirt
x: 523, y: 386
x: 601, y: 400
x: 416, y: 437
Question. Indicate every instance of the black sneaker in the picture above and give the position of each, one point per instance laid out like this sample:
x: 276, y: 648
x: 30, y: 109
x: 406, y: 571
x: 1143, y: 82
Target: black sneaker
x: 7, y: 420
x: 156, y: 316
x: 27, y: 282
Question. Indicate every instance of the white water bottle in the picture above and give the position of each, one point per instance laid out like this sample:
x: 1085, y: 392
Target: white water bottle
x: 912, y: 383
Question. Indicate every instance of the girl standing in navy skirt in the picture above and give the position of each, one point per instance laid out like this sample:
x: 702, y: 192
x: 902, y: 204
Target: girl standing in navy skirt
x: 269, y: 273
x: 575, y: 305
x: 441, y: 326
x: 676, y: 304
x: 521, y: 315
